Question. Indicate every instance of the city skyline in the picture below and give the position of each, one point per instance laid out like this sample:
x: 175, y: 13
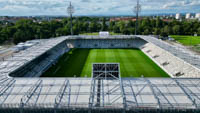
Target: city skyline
x: 96, y: 7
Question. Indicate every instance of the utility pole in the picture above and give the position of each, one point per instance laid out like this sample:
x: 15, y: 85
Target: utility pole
x: 70, y: 11
x: 137, y: 10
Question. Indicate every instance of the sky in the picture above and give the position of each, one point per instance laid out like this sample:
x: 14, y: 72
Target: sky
x: 96, y: 7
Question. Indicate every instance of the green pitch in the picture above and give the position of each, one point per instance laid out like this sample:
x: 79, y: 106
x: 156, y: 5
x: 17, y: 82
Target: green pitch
x: 133, y: 63
x: 187, y: 40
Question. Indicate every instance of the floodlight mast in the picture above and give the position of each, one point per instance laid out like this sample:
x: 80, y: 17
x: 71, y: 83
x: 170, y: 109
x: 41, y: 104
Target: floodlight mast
x: 137, y: 10
x: 70, y: 11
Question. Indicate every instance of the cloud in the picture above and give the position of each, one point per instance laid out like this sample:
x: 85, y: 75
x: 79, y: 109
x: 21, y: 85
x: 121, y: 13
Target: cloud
x: 95, y: 7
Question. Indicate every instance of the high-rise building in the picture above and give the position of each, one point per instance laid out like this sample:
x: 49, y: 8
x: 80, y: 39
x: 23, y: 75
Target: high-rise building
x: 188, y: 16
x: 178, y: 16
x: 197, y: 15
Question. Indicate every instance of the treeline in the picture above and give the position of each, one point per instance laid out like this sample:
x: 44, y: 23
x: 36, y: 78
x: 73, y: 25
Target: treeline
x: 24, y: 30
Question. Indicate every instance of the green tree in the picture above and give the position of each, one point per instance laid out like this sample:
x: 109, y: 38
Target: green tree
x: 122, y: 26
x: 111, y: 26
x: 116, y: 29
x: 146, y: 32
x: 156, y: 31
x: 167, y: 30
x: 158, y: 22
x: 93, y: 27
x: 53, y: 25
x: 164, y: 32
x: 132, y: 31
x: 19, y: 36
x: 125, y: 31
x: 104, y: 26
x: 198, y: 31
x: 177, y: 30
x: 85, y: 27
x: 146, y: 23
x: 130, y: 24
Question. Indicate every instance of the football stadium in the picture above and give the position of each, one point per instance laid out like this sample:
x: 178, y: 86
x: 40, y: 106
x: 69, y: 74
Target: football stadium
x: 93, y: 74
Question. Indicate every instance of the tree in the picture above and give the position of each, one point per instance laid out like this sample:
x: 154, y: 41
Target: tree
x: 125, y: 31
x: 85, y: 26
x: 158, y: 22
x: 111, y: 26
x: 176, y: 30
x: 187, y: 28
x: 93, y: 26
x: 146, y: 23
x: 122, y: 26
x: 45, y: 31
x: 132, y: 31
x: 130, y: 24
x: 26, y: 29
x: 198, y: 31
x: 76, y: 29
x: 104, y: 26
x: 53, y: 25
x: 167, y: 30
x: 19, y: 36
x: 146, y: 32
x: 164, y: 33
x: 116, y: 29
x: 7, y: 33
x: 63, y: 31
x: 156, y: 31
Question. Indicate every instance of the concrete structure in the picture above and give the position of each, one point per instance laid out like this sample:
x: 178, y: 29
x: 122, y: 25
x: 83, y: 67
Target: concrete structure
x: 20, y: 94
x: 188, y: 16
x: 178, y: 16
x: 104, y: 34
x: 197, y: 16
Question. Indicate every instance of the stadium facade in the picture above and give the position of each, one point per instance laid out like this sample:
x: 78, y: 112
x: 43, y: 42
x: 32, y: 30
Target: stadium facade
x: 23, y: 91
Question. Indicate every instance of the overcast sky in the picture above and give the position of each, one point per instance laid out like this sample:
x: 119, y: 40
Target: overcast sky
x: 95, y: 7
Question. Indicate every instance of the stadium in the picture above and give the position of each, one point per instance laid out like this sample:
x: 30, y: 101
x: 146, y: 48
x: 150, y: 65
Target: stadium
x: 93, y: 74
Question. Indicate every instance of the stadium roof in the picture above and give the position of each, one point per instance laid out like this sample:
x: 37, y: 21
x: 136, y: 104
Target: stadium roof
x: 138, y: 92
x: 157, y: 93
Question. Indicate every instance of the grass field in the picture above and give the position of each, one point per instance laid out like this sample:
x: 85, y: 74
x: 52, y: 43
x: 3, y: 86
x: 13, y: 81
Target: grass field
x: 133, y: 63
x: 187, y: 40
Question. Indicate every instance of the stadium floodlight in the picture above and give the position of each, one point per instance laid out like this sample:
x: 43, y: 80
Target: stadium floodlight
x: 137, y: 10
x: 70, y: 11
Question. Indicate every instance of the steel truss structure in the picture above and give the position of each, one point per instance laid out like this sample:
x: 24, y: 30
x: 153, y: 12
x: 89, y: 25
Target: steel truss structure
x: 32, y: 95
x: 5, y: 88
x: 106, y: 75
x: 99, y: 94
x: 63, y: 97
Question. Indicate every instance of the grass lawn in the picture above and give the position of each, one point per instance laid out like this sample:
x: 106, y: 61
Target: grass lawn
x: 133, y: 63
x: 69, y: 64
x: 97, y: 33
x: 187, y: 40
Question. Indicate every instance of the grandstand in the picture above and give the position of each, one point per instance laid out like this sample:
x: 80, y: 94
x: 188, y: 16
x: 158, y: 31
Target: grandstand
x: 23, y: 91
